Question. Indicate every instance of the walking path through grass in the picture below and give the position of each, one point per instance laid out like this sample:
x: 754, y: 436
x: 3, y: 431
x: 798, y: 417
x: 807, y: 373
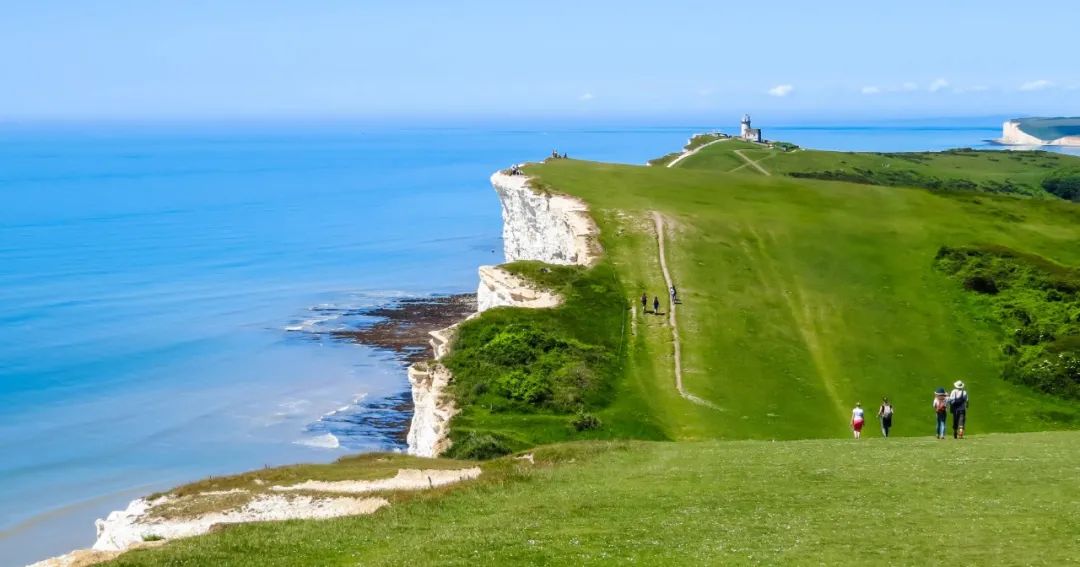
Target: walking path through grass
x: 694, y: 151
x: 750, y: 162
x: 659, y: 221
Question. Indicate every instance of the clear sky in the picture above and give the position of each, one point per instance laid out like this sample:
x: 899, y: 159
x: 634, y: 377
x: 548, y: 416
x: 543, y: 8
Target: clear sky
x: 800, y: 59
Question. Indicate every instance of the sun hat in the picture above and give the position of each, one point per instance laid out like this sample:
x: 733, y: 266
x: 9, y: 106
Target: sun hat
x: 958, y: 384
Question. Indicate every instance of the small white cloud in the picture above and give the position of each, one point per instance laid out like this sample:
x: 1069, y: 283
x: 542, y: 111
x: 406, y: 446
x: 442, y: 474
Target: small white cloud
x: 1036, y: 85
x: 586, y: 96
x: 909, y: 86
x: 937, y: 85
x: 871, y: 89
x: 781, y: 90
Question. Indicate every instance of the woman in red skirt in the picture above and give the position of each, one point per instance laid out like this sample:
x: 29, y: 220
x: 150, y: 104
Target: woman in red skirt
x: 857, y: 420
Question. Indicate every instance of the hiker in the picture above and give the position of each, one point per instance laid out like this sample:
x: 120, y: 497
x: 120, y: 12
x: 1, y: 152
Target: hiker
x: 674, y: 295
x: 644, y: 303
x: 885, y: 413
x: 857, y: 420
x: 941, y: 411
x: 656, y: 305
x: 958, y: 404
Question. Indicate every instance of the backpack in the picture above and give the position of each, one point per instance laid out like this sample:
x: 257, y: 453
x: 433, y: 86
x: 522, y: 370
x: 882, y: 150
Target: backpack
x: 886, y: 411
x: 959, y: 403
x: 939, y: 405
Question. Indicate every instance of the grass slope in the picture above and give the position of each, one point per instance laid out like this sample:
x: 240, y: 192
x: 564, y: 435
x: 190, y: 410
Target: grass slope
x: 1013, y: 172
x: 1007, y: 499
x: 804, y: 296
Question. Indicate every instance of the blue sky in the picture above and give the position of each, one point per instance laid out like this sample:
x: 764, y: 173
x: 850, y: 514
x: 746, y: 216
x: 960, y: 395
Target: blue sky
x: 119, y: 59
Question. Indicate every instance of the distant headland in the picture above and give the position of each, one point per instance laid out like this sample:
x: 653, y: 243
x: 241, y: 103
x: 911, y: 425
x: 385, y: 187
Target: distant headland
x: 1041, y: 132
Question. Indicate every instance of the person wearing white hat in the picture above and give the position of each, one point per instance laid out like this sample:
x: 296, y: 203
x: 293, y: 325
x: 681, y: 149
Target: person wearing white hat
x: 958, y: 403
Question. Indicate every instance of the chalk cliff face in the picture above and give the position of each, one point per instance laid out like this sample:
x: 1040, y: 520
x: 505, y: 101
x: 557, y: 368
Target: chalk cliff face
x: 555, y: 229
x: 1011, y: 134
x: 1061, y: 133
x: 550, y: 228
x: 429, y: 432
x: 499, y: 287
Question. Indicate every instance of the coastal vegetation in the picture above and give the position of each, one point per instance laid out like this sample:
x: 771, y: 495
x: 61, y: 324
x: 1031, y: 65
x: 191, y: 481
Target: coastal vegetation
x: 1035, y: 302
x: 1011, y: 499
x: 529, y: 376
x: 1064, y: 183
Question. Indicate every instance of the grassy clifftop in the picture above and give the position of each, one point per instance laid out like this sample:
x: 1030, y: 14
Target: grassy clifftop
x: 804, y: 296
x: 1007, y: 499
x: 801, y: 298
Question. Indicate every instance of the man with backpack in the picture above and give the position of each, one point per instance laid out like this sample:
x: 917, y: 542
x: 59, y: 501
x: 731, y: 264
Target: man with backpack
x: 958, y: 404
x: 885, y: 413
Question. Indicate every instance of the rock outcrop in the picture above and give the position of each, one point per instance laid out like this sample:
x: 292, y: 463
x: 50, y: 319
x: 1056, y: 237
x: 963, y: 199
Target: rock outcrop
x: 501, y: 288
x: 429, y: 432
x: 123, y: 529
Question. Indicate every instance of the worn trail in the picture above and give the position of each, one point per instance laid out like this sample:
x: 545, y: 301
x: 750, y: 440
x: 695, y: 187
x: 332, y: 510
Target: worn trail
x: 658, y: 219
x: 685, y: 155
x: 751, y: 162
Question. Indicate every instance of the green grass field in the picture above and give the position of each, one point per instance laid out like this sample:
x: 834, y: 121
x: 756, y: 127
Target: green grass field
x: 803, y: 297
x: 996, y: 499
x: 1014, y: 172
x: 800, y: 297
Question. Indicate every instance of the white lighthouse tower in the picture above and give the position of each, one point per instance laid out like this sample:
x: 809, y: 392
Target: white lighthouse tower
x: 746, y: 132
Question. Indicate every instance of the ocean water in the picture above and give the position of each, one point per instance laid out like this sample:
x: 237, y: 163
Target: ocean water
x: 160, y: 286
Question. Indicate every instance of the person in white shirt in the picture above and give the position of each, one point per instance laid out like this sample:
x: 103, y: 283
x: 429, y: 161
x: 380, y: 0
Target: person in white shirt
x: 958, y: 404
x: 857, y: 420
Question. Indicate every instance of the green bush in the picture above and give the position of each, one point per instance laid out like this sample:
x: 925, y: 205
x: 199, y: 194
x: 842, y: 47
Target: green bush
x: 478, y: 447
x: 1064, y: 183
x: 585, y: 422
x: 532, y: 361
x: 528, y: 387
x: 909, y: 178
x: 1037, y: 304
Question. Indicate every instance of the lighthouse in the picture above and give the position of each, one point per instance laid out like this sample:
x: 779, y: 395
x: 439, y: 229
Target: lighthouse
x: 746, y: 132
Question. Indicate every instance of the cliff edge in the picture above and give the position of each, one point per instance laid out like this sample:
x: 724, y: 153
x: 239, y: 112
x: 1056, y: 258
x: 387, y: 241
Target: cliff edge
x: 550, y: 228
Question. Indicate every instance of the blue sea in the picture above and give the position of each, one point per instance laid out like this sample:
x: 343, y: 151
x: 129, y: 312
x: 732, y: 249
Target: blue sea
x: 162, y: 287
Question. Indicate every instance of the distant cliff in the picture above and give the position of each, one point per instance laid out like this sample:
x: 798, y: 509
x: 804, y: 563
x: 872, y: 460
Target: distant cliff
x: 1041, y: 132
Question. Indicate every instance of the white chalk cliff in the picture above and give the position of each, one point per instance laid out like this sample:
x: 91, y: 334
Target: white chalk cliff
x: 1012, y: 134
x: 550, y: 228
x: 499, y: 287
x: 556, y: 229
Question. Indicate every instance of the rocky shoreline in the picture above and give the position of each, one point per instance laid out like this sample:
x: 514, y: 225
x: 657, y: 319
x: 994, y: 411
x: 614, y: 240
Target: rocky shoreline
x: 404, y: 326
